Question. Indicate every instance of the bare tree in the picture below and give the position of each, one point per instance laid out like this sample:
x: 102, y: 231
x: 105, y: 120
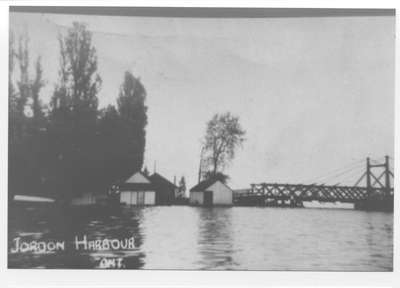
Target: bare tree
x: 223, y: 136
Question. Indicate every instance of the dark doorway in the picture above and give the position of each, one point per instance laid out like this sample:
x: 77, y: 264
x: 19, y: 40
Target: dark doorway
x: 208, y: 198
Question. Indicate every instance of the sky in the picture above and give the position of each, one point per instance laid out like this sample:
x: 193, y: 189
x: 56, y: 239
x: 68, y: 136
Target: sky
x: 314, y: 94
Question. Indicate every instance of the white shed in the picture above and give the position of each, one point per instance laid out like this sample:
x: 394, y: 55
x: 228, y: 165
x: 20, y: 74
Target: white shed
x: 137, y: 190
x: 211, y: 192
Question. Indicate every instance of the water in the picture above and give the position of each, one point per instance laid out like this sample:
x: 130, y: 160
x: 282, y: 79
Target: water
x: 236, y: 238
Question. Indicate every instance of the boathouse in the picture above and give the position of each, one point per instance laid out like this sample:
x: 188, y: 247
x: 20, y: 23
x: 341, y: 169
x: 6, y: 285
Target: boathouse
x: 137, y: 190
x: 165, y: 190
x: 211, y: 192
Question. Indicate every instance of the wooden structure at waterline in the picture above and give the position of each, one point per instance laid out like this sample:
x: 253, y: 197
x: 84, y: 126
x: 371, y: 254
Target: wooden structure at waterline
x: 210, y: 193
x: 137, y: 190
x: 166, y: 191
x: 376, y: 195
x: 33, y: 199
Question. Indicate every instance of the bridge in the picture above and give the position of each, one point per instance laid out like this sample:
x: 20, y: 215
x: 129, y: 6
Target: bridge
x: 376, y: 194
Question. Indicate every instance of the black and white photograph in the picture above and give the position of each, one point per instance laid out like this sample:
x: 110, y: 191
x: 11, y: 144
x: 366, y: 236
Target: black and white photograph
x: 246, y: 139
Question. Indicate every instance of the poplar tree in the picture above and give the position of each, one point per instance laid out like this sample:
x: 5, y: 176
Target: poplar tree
x: 74, y: 111
x: 26, y: 121
x: 133, y: 113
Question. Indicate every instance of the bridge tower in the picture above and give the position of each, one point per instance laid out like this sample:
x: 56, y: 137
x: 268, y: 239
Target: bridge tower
x: 387, y: 176
x: 368, y: 177
x: 377, y: 180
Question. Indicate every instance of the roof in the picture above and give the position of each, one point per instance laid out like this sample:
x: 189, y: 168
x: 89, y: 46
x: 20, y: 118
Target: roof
x: 204, y: 185
x: 138, y: 177
x: 137, y: 181
x: 162, y: 182
x: 28, y: 198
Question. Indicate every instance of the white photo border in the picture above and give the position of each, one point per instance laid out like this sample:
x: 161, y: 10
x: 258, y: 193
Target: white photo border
x: 140, y: 278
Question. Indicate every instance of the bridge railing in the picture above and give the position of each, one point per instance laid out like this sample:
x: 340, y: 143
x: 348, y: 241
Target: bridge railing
x: 312, y: 192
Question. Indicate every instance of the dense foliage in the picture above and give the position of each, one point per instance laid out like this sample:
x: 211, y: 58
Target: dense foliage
x: 70, y: 146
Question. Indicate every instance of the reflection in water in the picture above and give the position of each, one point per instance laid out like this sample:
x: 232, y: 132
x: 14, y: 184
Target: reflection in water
x: 47, y: 224
x: 215, y: 238
x: 238, y: 238
x: 170, y: 237
x: 373, y: 234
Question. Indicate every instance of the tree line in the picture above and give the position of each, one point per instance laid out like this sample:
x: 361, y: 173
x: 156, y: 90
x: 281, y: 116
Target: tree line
x: 69, y: 145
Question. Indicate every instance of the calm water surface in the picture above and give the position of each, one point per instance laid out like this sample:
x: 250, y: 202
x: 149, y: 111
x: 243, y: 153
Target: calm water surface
x: 237, y: 238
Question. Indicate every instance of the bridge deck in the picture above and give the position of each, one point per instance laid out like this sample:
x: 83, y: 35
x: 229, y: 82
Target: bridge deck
x: 301, y: 192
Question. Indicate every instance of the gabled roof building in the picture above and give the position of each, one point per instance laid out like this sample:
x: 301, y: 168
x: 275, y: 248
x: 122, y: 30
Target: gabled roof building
x: 211, y: 192
x: 165, y: 190
x: 137, y: 190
